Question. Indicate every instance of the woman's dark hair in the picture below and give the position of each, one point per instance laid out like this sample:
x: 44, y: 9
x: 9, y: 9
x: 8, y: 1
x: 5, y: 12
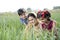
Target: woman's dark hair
x: 20, y: 11
x: 47, y: 14
x: 32, y: 15
x: 44, y: 14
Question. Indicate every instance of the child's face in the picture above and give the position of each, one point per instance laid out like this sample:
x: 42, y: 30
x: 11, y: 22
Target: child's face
x: 31, y: 20
x: 23, y: 16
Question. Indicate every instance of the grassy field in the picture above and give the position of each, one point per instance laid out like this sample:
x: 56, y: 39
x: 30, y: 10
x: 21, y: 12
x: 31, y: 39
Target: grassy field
x: 12, y: 29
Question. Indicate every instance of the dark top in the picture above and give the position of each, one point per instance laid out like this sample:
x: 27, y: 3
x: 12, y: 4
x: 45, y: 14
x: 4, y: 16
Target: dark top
x: 49, y: 26
x: 23, y: 21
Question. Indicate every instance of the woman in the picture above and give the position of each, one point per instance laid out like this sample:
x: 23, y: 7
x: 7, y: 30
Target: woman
x: 46, y: 22
x: 32, y: 22
x: 33, y: 26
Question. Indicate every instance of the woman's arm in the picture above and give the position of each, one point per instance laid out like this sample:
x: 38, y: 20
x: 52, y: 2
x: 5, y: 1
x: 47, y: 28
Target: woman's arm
x: 55, y: 29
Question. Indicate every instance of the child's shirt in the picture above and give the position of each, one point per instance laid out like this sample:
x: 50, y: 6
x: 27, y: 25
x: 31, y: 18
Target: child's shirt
x: 23, y: 21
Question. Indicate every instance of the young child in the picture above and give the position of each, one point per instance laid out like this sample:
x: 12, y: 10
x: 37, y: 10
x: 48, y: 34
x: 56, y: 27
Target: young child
x: 23, y: 18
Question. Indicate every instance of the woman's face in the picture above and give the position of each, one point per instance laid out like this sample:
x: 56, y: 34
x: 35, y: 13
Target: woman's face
x: 43, y: 19
x: 31, y: 20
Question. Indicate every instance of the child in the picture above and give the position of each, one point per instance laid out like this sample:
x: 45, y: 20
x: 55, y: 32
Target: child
x: 22, y: 15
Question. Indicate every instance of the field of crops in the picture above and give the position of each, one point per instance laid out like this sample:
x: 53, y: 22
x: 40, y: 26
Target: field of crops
x: 12, y: 29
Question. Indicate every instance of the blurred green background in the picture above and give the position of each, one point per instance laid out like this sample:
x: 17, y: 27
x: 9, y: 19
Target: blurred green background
x: 12, y: 29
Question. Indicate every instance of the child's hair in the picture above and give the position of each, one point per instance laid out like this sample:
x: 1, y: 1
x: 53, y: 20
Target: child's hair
x: 32, y: 15
x: 20, y: 11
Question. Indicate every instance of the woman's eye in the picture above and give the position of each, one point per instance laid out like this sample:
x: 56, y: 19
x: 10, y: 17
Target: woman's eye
x: 31, y: 20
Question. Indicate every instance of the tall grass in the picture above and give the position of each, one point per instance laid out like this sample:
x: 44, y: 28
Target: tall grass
x: 12, y: 29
